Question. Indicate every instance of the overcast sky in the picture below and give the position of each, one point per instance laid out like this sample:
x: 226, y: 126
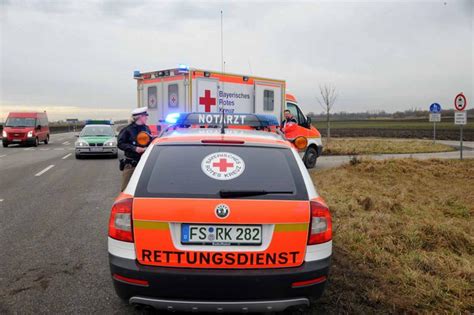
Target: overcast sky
x: 76, y: 58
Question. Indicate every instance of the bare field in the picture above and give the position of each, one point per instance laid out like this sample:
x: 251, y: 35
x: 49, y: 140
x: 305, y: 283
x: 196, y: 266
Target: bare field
x: 446, y: 123
x: 403, y: 237
x: 355, y: 146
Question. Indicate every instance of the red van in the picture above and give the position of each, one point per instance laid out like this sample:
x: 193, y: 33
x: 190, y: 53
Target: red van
x: 26, y: 128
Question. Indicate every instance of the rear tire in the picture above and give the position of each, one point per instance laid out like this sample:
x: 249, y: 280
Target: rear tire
x: 46, y: 140
x: 310, y: 157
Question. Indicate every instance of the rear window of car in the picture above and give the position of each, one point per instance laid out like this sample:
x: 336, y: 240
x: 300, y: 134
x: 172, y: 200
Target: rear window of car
x: 191, y: 171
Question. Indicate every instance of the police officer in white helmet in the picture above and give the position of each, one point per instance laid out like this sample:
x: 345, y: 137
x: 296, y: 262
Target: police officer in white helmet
x: 127, y: 142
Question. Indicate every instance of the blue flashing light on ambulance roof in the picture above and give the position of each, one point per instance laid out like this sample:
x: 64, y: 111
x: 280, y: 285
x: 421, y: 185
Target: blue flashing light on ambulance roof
x: 137, y: 74
x: 242, y: 119
x: 183, y: 67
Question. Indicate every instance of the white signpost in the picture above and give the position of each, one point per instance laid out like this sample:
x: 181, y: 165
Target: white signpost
x: 435, y: 116
x: 460, y: 116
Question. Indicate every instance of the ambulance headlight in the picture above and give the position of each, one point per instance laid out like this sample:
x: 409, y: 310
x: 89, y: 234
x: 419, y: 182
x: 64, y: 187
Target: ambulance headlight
x: 172, y: 118
x: 4, y: 134
x: 30, y: 134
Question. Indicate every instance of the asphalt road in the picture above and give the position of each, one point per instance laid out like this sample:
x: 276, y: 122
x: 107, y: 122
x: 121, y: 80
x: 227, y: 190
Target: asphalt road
x: 53, y: 229
x: 54, y: 214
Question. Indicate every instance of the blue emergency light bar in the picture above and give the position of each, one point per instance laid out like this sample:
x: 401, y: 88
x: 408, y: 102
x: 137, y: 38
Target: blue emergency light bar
x: 215, y: 119
x: 98, y: 122
x: 183, y: 68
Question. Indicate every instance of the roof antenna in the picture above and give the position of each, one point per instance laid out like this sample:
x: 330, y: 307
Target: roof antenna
x: 223, y: 70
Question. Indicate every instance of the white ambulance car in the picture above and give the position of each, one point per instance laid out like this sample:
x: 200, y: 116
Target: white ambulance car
x: 185, y: 89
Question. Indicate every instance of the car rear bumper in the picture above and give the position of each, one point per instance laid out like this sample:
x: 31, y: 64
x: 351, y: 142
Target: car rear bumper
x: 220, y: 306
x: 211, y: 289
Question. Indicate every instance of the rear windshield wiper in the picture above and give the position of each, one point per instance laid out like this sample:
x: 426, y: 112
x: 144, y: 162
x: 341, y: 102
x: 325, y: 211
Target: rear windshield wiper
x: 247, y: 193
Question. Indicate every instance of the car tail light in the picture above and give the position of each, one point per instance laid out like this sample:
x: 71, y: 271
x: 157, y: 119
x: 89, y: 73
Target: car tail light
x: 321, y: 225
x: 130, y: 280
x: 308, y: 282
x: 120, y: 222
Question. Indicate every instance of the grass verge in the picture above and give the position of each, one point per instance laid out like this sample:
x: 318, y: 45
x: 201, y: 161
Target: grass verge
x: 354, y: 146
x: 403, y: 237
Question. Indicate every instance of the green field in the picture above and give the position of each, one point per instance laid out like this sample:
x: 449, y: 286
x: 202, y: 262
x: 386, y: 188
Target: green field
x: 447, y: 123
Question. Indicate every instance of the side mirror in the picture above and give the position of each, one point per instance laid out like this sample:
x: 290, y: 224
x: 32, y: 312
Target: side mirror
x: 308, y: 121
x: 38, y: 127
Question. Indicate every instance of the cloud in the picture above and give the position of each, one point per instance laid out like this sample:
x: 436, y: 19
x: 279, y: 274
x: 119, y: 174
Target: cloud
x: 380, y: 55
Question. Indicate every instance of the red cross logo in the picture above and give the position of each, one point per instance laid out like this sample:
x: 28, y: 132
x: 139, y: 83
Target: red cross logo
x: 207, y: 101
x: 222, y: 165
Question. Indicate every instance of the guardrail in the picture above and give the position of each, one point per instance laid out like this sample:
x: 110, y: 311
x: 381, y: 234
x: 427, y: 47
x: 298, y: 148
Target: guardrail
x: 60, y: 129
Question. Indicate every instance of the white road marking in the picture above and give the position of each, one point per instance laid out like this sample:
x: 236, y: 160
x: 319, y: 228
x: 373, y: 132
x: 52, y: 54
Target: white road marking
x: 1, y: 200
x: 29, y: 149
x: 44, y: 149
x: 66, y: 156
x: 58, y: 149
x: 66, y: 143
x: 45, y: 170
x: 3, y: 155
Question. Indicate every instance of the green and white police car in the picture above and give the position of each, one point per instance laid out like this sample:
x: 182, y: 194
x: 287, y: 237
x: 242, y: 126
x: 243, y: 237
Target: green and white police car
x: 97, y: 138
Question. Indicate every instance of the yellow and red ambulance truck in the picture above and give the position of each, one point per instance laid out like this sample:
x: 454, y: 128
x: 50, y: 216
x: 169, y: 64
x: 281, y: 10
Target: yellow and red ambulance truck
x: 185, y: 89
x: 220, y: 220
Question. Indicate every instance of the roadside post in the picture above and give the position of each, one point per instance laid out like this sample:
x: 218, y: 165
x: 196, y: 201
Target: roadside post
x: 460, y: 116
x: 435, y: 116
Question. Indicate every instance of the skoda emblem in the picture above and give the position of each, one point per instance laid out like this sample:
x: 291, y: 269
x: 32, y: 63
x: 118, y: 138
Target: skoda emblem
x: 222, y: 211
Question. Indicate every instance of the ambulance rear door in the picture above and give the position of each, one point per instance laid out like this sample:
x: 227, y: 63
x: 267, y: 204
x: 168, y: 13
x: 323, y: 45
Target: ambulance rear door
x: 151, y: 98
x: 268, y: 98
x: 173, y: 95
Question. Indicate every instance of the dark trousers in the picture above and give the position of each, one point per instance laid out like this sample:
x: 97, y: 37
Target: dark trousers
x: 126, y: 174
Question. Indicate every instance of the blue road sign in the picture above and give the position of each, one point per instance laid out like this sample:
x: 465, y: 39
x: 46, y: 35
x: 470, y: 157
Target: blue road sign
x: 435, y: 108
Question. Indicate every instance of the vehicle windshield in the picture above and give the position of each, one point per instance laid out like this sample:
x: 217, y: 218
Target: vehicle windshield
x: 20, y: 122
x: 193, y: 171
x: 97, y: 130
